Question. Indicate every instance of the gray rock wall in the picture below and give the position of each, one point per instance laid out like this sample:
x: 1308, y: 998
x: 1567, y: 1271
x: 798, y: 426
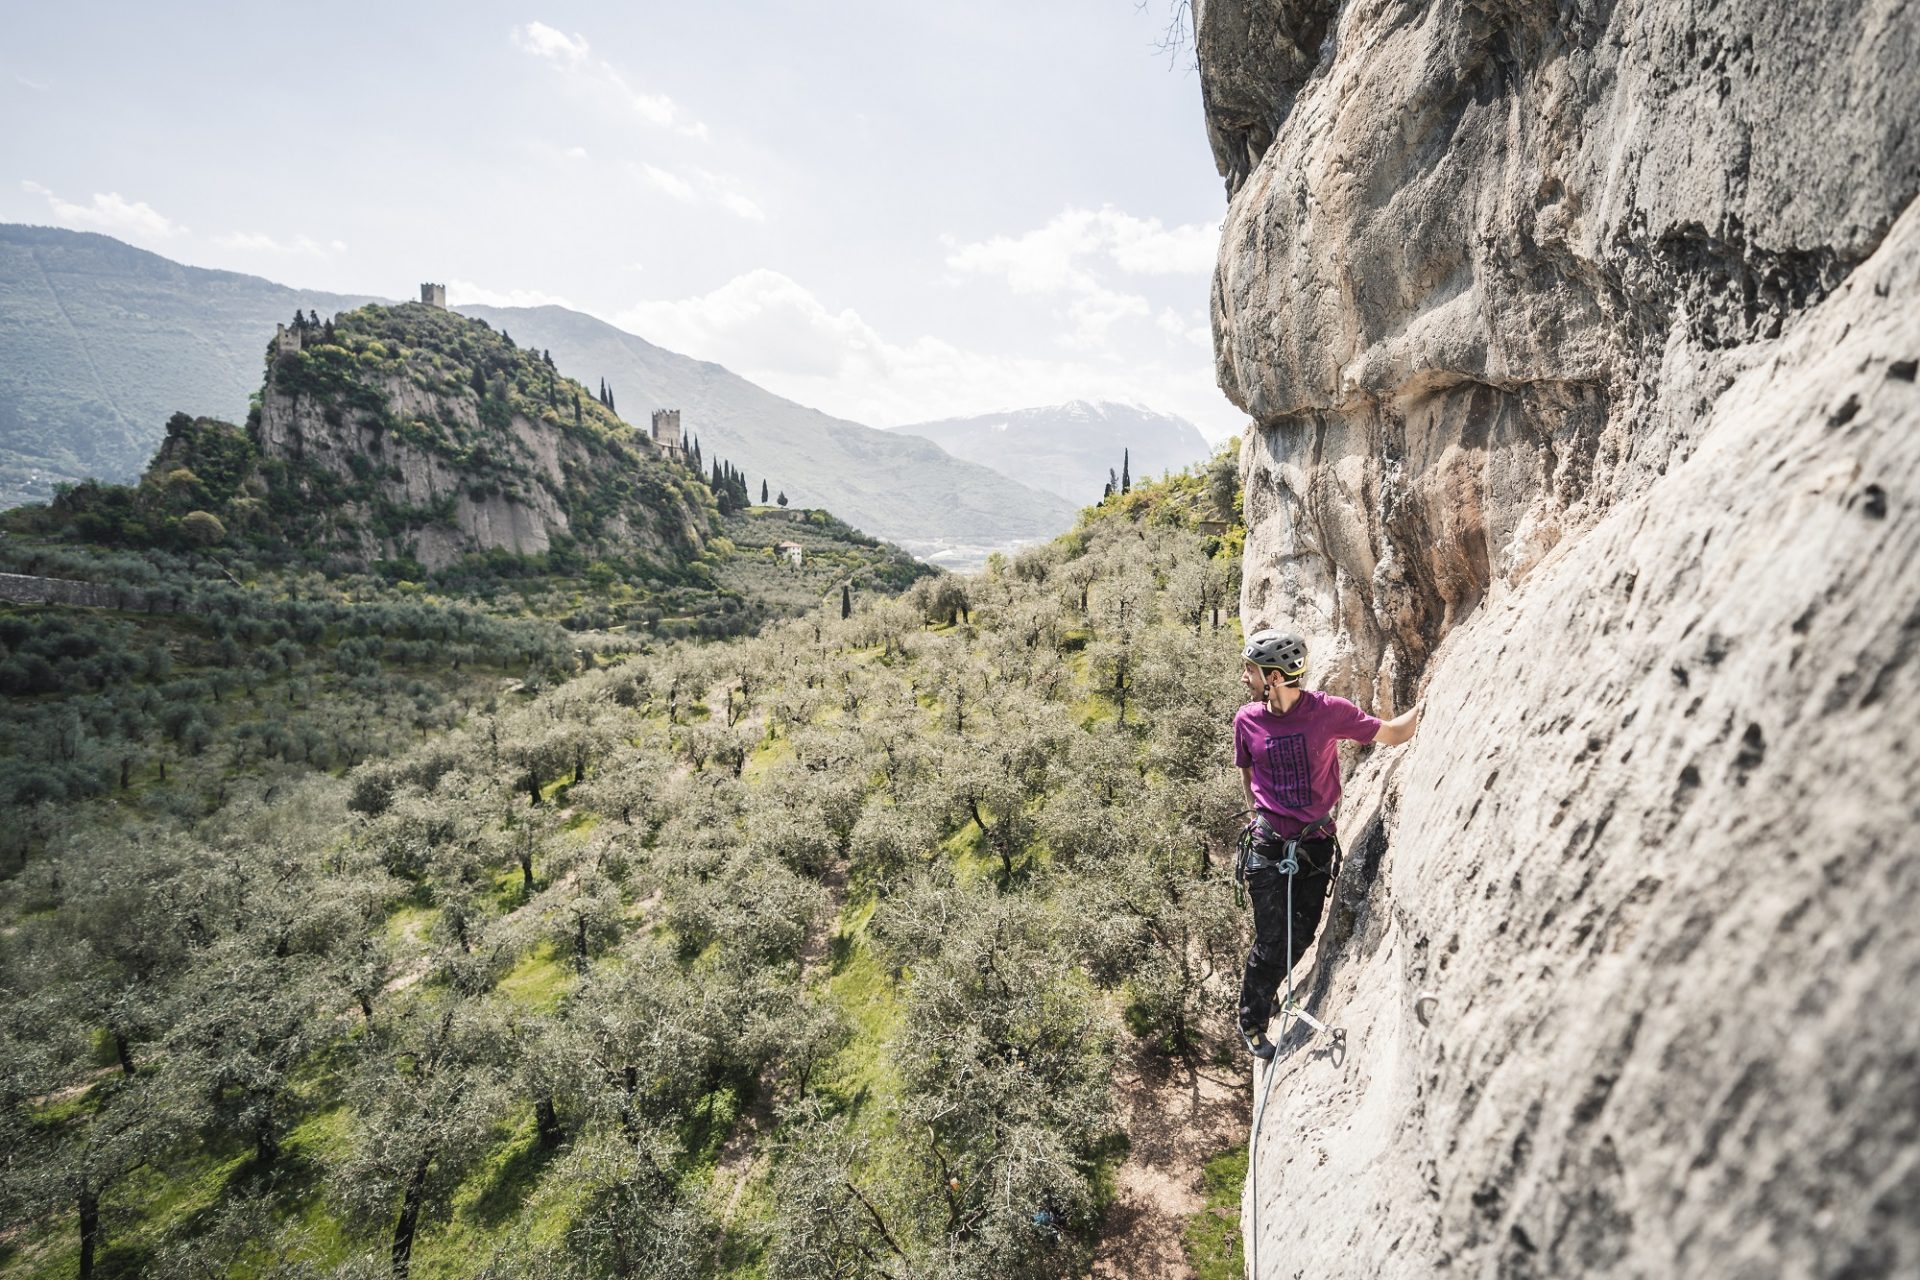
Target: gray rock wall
x: 522, y: 517
x: 1501, y: 256
x: 21, y: 588
x: 1580, y: 345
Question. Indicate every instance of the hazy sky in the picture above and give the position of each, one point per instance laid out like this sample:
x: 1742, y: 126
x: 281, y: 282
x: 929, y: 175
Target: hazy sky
x: 891, y: 210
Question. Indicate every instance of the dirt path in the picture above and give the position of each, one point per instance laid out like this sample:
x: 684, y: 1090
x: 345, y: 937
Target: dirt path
x: 1178, y: 1118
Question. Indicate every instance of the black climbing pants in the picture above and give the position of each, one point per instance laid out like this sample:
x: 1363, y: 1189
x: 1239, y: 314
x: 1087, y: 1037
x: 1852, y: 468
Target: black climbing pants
x: 1268, y: 962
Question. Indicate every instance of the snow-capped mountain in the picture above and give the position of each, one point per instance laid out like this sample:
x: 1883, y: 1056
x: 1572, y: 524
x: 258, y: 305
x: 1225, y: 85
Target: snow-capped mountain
x: 1069, y: 448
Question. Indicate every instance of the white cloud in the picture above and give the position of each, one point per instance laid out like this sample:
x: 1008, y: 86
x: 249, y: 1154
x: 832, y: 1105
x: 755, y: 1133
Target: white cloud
x: 770, y: 328
x: 465, y: 292
x: 762, y: 319
x: 704, y: 184
x: 1083, y: 257
x: 735, y: 203
x: 1065, y: 254
x: 1095, y: 312
x: 573, y: 57
x: 1042, y: 261
x: 727, y: 192
x: 261, y: 242
x: 542, y: 41
x: 110, y: 212
x: 38, y: 86
x: 671, y: 183
x: 1144, y: 247
x: 1195, y: 328
x: 575, y: 153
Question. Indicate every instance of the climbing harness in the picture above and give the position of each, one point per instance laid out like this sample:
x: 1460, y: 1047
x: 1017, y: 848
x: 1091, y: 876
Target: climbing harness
x: 1288, y: 866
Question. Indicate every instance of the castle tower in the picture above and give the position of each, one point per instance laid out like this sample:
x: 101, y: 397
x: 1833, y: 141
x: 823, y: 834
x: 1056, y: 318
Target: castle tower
x: 434, y: 295
x: 666, y: 429
x: 286, y: 341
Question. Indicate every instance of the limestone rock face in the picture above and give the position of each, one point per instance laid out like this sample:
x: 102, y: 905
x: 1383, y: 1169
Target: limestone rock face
x: 451, y: 515
x: 412, y: 478
x: 1580, y: 342
x: 1487, y: 262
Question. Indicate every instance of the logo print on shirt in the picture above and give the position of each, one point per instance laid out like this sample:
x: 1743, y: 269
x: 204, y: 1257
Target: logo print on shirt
x: 1287, y: 767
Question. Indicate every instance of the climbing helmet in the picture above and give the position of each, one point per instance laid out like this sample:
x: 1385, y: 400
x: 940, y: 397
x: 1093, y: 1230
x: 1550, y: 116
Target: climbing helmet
x: 1283, y: 651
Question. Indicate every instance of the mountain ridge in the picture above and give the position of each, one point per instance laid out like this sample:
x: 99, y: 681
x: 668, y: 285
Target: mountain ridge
x: 103, y: 342
x: 816, y: 458
x: 1070, y: 448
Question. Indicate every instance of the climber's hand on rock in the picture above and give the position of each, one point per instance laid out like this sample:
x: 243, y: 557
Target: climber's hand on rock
x: 1397, y: 730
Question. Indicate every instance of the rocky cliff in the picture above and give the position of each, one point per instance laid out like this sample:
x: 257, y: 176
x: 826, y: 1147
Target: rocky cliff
x: 414, y: 432
x: 1580, y: 344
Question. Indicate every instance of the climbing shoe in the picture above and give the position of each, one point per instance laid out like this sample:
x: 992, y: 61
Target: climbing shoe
x: 1257, y: 1044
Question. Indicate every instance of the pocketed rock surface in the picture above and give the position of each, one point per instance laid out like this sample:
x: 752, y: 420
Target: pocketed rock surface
x: 1580, y: 343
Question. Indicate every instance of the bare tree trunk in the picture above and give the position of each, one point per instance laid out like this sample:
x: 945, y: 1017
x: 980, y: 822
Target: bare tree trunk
x: 546, y: 1120
x: 89, y: 1229
x: 266, y: 1145
x: 409, y: 1223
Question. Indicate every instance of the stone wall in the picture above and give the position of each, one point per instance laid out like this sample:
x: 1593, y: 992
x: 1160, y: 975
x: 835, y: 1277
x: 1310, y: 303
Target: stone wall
x: 19, y: 588
x: 1580, y: 343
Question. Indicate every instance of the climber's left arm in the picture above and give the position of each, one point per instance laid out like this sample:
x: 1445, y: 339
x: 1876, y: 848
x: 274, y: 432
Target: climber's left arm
x: 1397, y: 730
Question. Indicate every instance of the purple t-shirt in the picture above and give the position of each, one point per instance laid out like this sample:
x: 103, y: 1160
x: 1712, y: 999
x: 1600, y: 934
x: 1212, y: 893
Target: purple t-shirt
x: 1295, y: 758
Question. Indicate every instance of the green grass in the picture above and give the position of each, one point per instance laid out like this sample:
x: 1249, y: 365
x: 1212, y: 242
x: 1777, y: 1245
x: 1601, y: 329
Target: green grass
x: 409, y: 925
x: 540, y: 980
x: 494, y: 1194
x: 1212, y: 1236
x: 771, y: 753
x: 863, y: 1079
x: 862, y: 1076
x: 973, y: 859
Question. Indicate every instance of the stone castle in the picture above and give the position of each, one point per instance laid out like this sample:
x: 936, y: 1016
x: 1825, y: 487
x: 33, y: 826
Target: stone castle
x: 666, y: 430
x: 434, y: 295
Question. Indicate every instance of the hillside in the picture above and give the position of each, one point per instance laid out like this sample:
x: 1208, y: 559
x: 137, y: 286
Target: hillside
x: 896, y: 487
x: 1069, y: 449
x: 410, y: 444
x: 100, y: 343
x: 411, y: 436
x: 804, y: 954
x: 1581, y: 350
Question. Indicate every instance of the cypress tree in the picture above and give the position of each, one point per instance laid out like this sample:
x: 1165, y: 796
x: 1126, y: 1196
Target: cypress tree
x: 610, y: 408
x: 846, y: 597
x: 576, y: 406
x: 763, y: 493
x: 1126, y: 475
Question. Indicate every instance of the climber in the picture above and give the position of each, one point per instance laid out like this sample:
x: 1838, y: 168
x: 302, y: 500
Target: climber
x: 1286, y: 743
